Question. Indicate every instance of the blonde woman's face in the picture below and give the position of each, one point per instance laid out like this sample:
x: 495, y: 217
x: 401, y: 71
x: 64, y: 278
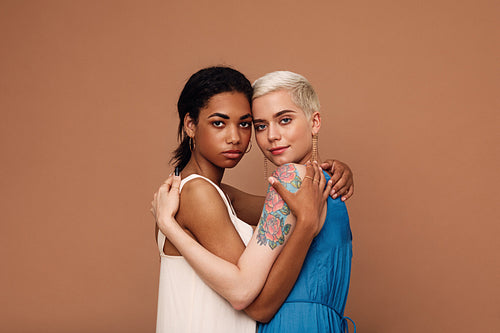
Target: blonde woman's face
x: 282, y: 130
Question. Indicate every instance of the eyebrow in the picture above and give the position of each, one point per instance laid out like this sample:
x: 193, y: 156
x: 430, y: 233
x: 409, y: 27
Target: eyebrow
x: 225, y: 116
x: 278, y: 114
x: 222, y: 115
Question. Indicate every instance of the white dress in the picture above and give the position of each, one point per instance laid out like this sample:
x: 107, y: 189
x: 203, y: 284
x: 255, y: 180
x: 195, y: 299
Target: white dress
x: 186, y: 303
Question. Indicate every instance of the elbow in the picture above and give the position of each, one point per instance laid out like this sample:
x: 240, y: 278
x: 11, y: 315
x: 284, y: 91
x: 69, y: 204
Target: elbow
x: 263, y: 317
x: 242, y: 300
x: 260, y: 314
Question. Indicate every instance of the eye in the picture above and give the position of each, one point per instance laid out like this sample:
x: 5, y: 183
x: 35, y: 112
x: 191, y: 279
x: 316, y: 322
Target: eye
x: 260, y: 127
x: 218, y: 123
x: 285, y: 120
x: 246, y: 124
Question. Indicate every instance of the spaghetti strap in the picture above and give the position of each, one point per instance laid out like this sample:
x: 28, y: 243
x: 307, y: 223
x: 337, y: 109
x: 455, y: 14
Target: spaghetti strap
x: 185, y: 303
x: 160, y: 240
x: 221, y: 193
x: 161, y: 237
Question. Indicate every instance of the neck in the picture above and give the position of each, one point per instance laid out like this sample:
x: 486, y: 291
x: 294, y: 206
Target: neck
x: 204, y: 168
x: 308, y: 157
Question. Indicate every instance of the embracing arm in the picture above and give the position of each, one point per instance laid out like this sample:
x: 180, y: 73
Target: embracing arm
x: 286, y: 268
x: 282, y: 277
x: 240, y: 283
x: 342, y: 178
x: 249, y: 206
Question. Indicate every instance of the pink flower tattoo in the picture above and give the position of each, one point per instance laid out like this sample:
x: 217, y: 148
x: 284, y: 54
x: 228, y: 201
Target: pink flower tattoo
x: 272, y: 228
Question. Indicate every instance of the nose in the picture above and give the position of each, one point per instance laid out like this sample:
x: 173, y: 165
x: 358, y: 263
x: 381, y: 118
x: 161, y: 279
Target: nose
x: 233, y: 135
x: 273, y: 133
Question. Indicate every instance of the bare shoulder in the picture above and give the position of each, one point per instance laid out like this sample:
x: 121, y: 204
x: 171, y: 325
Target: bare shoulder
x: 204, y: 214
x: 199, y: 188
x: 200, y: 200
x: 290, y: 173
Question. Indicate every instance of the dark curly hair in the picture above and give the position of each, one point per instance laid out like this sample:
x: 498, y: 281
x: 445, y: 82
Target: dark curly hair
x: 196, y: 94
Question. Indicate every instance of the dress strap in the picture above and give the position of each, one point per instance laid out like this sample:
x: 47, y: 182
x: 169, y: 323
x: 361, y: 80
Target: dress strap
x: 161, y: 237
x: 160, y: 240
x: 221, y: 193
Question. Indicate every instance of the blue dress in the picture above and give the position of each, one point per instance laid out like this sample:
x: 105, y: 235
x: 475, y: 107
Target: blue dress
x: 317, y: 301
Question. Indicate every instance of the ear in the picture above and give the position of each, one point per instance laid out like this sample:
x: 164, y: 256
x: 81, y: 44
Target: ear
x: 189, y: 125
x: 315, y: 122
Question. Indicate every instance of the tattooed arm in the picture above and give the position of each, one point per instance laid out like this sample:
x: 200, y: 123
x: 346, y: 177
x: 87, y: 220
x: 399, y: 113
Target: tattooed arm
x: 241, y: 283
x: 248, y: 206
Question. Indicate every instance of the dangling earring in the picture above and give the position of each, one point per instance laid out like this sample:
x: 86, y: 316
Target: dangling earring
x: 314, y: 156
x: 192, y: 144
x: 266, y: 170
x: 248, y: 149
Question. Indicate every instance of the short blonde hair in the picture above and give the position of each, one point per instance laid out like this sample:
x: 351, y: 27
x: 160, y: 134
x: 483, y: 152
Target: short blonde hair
x: 301, y: 91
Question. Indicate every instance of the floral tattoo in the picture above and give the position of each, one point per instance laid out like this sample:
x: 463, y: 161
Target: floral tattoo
x: 272, y: 228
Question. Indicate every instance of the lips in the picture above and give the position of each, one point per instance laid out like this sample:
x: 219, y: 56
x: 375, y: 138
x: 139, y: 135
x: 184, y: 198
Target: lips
x: 278, y: 150
x: 232, y: 154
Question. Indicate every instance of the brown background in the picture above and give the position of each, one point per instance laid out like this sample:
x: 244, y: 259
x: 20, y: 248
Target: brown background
x: 409, y: 91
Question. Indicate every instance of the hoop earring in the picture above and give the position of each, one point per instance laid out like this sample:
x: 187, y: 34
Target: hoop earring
x: 192, y: 144
x: 248, y: 149
x: 314, y: 155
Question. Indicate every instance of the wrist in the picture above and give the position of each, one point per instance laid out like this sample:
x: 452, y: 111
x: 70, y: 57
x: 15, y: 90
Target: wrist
x: 306, y: 226
x: 164, y: 222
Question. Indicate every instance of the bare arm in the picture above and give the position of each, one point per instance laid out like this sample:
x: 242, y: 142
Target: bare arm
x: 248, y: 206
x: 286, y: 268
x: 240, y: 283
x: 210, y: 226
x: 282, y: 277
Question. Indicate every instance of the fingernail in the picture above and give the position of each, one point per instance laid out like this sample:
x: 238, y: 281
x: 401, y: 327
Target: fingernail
x: 177, y: 171
x: 343, y: 199
x: 271, y: 180
x: 334, y: 196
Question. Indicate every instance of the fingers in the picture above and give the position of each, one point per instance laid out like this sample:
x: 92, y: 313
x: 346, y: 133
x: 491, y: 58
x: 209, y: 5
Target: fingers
x: 339, y: 187
x: 322, y: 179
x: 328, y: 166
x: 317, y: 173
x: 309, y: 172
x: 342, y: 186
x: 327, y: 189
x: 337, y: 175
x: 282, y: 191
x: 350, y: 192
x: 168, y: 182
x: 176, y: 183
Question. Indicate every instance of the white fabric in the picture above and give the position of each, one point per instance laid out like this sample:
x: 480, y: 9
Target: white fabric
x: 185, y: 303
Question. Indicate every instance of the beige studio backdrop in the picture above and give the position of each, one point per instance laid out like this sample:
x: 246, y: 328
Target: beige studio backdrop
x: 409, y: 93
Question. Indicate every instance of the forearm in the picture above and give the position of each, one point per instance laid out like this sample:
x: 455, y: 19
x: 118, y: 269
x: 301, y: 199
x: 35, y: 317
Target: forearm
x: 282, y: 277
x: 239, y: 284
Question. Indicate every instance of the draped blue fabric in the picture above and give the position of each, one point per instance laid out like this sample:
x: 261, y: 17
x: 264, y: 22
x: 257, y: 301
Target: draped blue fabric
x: 317, y: 301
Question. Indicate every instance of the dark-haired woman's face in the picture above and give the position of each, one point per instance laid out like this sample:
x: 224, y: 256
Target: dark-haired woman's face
x: 224, y: 129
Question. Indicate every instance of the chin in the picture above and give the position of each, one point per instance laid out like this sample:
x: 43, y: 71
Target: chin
x: 229, y: 164
x: 277, y: 160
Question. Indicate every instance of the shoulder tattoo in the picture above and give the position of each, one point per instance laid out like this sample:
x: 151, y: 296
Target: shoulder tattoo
x: 272, y: 228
